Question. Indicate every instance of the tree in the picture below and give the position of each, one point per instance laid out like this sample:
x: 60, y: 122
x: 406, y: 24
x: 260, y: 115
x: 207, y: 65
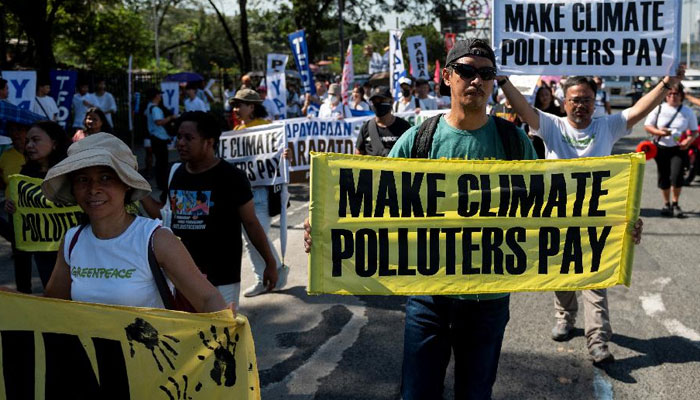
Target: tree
x: 37, y: 18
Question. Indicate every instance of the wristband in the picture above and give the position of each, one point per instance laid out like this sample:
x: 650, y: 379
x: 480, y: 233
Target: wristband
x: 665, y: 85
x: 502, y: 82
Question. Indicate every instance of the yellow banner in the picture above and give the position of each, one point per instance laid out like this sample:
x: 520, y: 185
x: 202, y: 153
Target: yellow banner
x: 411, y: 226
x: 57, y: 349
x: 39, y: 223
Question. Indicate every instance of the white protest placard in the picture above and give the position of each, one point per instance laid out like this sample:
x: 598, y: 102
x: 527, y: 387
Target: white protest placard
x: 526, y: 84
x: 593, y: 37
x: 397, y: 68
x: 276, y: 81
x: 322, y: 135
x: 22, y: 85
x: 418, y: 56
x: 376, y: 63
x: 171, y: 96
x: 257, y: 152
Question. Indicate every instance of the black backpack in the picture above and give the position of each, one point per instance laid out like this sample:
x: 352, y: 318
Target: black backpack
x: 510, y: 138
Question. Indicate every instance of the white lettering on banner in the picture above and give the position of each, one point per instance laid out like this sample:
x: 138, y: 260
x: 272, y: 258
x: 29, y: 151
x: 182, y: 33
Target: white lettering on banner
x: 418, y: 54
x: 63, y: 111
x: 257, y: 152
x: 397, y: 68
x: 276, y: 81
x: 538, y: 37
x: 171, y: 96
x: 22, y: 88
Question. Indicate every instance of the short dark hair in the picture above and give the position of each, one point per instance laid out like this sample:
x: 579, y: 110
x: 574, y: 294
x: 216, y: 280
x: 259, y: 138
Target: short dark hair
x: 420, y: 82
x: 207, y: 127
x: 259, y: 111
x: 680, y: 88
x: 579, y: 80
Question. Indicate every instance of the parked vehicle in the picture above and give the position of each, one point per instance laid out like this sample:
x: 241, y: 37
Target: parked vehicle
x: 624, y: 91
x: 691, y: 83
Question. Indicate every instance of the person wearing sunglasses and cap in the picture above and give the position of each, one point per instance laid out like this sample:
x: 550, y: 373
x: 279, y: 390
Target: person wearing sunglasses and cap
x: 379, y: 134
x: 106, y: 259
x: 470, y: 326
x: 577, y: 135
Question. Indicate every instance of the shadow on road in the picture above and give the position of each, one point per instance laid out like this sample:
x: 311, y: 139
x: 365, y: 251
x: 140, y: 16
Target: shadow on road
x: 655, y: 352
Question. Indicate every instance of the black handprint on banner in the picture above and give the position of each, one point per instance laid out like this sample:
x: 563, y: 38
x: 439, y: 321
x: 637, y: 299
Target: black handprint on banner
x: 224, y: 354
x: 142, y: 332
x: 174, y: 393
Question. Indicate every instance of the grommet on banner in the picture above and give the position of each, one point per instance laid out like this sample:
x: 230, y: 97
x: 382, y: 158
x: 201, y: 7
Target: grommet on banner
x: 648, y: 148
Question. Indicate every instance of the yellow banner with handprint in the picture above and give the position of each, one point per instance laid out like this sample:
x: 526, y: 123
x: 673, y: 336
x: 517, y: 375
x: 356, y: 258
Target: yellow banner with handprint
x: 70, y: 350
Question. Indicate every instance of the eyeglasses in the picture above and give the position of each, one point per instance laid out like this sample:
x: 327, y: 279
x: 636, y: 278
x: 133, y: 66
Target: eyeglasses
x: 467, y: 71
x: 580, y: 101
x: 673, y: 94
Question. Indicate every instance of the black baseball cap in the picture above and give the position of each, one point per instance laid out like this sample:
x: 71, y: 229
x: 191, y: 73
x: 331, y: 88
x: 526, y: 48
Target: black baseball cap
x: 462, y: 48
x: 381, y: 91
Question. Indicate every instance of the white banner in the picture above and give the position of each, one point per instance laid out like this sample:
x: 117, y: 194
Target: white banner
x: 596, y: 37
x: 418, y: 56
x: 348, y: 75
x: 256, y: 151
x: 397, y: 68
x: 22, y: 85
x: 276, y: 81
x: 526, y: 84
x: 376, y: 63
x: 171, y: 96
x: 323, y: 135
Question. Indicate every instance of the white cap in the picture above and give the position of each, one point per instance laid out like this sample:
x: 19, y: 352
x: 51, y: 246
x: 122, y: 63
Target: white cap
x: 406, y: 80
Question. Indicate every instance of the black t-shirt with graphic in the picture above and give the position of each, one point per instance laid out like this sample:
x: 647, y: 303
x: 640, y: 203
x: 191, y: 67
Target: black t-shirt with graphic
x: 207, y: 220
x: 388, y: 135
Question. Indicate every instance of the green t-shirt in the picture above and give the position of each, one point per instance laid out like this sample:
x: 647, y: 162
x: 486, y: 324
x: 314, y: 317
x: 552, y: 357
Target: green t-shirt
x: 452, y: 143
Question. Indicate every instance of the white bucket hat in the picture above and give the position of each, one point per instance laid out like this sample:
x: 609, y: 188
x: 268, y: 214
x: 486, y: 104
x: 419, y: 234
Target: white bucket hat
x: 99, y: 149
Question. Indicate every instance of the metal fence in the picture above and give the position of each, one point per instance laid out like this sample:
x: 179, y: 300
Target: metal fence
x: 117, y: 85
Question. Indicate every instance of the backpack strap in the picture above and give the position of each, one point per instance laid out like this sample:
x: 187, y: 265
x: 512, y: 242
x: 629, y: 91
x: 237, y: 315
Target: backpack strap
x: 423, y: 141
x: 74, y: 240
x: 510, y: 139
x: 165, y: 294
x: 373, y: 131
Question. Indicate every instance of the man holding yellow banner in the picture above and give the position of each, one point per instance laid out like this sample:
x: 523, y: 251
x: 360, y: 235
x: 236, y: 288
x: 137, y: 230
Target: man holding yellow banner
x: 574, y: 136
x: 432, y: 322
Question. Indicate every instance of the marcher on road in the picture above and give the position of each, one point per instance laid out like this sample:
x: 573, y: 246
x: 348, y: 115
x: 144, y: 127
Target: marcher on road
x: 580, y: 135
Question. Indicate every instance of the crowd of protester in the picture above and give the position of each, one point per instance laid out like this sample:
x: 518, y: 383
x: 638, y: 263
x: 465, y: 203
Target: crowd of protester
x: 205, y: 201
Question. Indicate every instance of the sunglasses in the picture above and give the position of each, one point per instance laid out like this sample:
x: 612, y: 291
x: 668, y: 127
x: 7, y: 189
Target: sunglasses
x: 466, y: 71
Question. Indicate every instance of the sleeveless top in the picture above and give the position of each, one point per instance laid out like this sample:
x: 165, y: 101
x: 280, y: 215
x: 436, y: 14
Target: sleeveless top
x: 113, y: 271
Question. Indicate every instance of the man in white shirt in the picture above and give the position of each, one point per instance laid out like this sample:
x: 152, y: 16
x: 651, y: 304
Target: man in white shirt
x: 574, y: 136
x: 81, y: 102
x: 273, y: 112
x: 333, y: 106
x: 192, y: 102
x: 45, y: 105
x: 407, y: 102
x: 105, y: 101
x: 422, y: 92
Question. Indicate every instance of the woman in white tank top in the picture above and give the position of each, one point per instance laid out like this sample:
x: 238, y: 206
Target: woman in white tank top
x: 108, y: 261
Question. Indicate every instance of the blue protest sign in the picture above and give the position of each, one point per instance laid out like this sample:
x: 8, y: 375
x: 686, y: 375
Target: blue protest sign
x: 22, y: 88
x: 297, y: 41
x: 62, y: 90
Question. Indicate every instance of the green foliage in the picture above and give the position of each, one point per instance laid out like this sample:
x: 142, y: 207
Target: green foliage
x: 100, y: 42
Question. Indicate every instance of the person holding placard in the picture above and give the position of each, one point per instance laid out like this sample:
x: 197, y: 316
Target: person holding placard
x: 580, y: 135
x: 470, y: 326
x: 45, y: 147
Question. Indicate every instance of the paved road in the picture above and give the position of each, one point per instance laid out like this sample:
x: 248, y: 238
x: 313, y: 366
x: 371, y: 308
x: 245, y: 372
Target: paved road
x: 349, y: 347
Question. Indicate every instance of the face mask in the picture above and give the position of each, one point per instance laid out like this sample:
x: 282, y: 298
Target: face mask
x: 381, y: 109
x: 406, y: 92
x: 335, y: 99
